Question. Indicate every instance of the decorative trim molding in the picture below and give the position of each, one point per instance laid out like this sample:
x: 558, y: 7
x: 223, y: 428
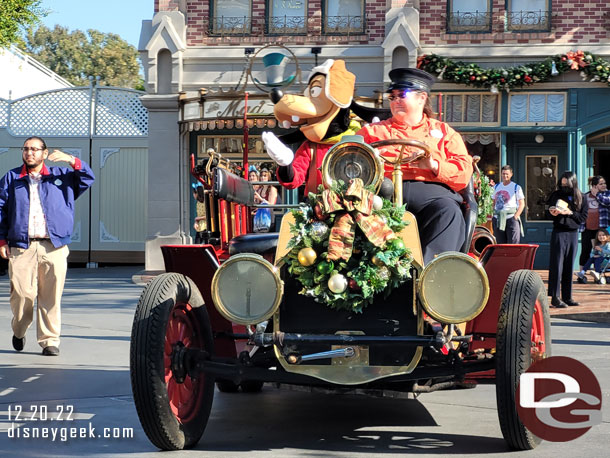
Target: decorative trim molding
x: 3, y: 150
x: 106, y: 236
x: 105, y: 153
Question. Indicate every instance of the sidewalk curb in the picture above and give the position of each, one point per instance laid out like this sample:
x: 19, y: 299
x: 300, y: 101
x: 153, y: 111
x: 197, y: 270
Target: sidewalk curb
x: 597, y: 317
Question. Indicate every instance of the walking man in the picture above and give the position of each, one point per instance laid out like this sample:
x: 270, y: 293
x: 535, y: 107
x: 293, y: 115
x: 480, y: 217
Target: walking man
x: 509, y: 203
x: 36, y: 221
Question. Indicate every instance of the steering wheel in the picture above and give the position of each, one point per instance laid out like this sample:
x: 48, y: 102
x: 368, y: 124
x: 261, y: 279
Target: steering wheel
x: 401, y: 156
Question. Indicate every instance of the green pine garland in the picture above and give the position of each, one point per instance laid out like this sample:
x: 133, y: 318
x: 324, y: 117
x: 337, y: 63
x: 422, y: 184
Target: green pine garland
x: 592, y: 68
x: 369, y: 278
x: 485, y: 201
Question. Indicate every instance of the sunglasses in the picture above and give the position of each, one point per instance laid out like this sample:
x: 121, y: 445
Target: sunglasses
x: 25, y: 149
x: 401, y: 95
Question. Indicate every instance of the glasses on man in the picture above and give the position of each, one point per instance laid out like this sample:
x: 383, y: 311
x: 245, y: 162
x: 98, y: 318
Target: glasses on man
x: 33, y: 149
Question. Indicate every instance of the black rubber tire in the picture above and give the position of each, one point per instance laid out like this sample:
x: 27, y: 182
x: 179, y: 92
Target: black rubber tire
x: 252, y: 386
x: 147, y: 364
x: 514, y: 346
x: 226, y: 386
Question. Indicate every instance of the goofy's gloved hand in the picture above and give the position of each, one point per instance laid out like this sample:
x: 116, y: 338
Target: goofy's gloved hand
x: 279, y: 152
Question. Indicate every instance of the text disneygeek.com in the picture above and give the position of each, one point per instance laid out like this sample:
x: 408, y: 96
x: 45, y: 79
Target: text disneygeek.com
x: 34, y: 422
x: 64, y: 433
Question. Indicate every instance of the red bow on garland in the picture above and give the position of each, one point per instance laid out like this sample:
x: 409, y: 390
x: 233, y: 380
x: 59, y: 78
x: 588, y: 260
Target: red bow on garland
x: 356, y: 206
x: 577, y: 58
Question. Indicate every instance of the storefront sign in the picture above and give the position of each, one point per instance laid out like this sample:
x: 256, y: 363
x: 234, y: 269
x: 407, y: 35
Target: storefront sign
x: 235, y: 108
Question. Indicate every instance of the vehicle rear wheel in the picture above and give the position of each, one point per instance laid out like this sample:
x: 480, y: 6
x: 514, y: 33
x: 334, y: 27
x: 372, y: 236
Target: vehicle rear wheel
x: 524, y: 337
x: 173, y: 408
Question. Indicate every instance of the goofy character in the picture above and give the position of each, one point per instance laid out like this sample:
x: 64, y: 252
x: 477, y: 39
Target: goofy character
x: 322, y: 117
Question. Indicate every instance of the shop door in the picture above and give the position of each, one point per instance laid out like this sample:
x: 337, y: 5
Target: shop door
x: 536, y: 172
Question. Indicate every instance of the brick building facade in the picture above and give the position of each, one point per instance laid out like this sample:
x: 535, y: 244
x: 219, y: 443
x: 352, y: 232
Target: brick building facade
x: 195, y: 53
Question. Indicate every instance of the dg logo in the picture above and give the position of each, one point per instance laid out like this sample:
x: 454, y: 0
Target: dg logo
x: 559, y: 399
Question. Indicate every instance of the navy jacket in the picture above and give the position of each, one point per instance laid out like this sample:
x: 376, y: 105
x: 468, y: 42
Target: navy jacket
x: 59, y: 188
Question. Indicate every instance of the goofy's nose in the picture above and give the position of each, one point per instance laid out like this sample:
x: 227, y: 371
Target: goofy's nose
x: 276, y: 95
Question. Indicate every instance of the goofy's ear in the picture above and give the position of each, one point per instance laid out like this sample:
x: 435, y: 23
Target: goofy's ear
x: 368, y: 113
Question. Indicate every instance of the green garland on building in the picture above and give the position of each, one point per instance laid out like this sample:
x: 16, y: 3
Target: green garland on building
x: 592, y: 68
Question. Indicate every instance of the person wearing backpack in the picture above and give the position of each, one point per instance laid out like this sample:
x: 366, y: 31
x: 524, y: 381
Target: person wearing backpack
x: 509, y: 203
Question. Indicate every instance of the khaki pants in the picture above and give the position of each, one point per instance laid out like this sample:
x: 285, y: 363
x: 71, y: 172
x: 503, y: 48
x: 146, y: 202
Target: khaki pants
x: 38, y: 272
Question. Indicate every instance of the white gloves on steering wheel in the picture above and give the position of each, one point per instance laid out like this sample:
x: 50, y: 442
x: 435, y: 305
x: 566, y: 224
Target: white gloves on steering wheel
x: 279, y: 152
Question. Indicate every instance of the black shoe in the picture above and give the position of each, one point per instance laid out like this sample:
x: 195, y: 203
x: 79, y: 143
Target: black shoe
x: 50, y: 351
x: 18, y: 343
x: 571, y: 303
x: 557, y: 303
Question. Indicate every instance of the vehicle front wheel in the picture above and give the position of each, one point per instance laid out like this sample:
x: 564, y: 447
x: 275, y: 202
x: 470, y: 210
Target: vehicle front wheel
x: 173, y: 407
x: 524, y: 337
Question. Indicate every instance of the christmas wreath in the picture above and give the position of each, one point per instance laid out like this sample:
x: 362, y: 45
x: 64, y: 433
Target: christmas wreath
x: 345, y: 249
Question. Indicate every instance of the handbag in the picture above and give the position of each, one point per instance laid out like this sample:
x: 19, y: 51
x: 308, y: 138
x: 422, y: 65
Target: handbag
x: 262, y: 220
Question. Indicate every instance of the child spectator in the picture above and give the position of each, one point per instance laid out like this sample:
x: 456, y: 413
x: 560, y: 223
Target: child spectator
x: 601, y: 250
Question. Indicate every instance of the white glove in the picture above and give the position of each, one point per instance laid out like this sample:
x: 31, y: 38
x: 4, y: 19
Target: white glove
x: 279, y: 152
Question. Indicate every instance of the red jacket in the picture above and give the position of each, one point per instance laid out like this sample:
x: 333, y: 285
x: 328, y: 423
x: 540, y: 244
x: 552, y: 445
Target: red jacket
x: 302, y: 163
x: 446, y: 146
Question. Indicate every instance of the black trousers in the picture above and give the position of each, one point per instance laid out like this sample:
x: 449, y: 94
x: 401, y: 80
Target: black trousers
x: 439, y: 216
x: 511, y: 232
x: 586, y: 245
x: 561, y: 264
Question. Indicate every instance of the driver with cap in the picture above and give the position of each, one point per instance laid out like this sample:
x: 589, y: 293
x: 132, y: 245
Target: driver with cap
x: 430, y: 185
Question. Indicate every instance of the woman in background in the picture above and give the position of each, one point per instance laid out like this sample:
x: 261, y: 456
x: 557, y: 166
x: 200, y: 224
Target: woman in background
x: 597, y: 218
x: 568, y: 210
x: 266, y: 194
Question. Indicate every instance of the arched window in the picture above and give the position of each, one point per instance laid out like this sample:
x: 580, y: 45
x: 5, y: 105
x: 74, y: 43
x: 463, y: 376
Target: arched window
x: 400, y: 57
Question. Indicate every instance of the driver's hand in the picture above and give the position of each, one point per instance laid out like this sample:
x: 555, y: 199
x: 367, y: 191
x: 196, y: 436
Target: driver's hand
x: 428, y: 164
x: 279, y: 152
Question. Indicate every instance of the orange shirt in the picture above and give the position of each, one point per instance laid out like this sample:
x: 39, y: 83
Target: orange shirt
x: 446, y: 146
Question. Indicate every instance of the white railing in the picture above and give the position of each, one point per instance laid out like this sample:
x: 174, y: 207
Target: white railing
x: 40, y: 67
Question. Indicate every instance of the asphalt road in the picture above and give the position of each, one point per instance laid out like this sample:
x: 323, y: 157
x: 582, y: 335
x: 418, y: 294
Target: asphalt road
x: 88, y: 386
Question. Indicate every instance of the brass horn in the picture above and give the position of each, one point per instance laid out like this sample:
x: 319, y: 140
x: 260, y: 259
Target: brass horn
x: 480, y: 239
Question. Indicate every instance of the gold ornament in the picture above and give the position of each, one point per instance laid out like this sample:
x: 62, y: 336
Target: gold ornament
x: 307, y: 256
x: 378, y: 262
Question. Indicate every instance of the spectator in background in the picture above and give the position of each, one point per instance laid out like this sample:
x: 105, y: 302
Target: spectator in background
x: 253, y: 176
x: 599, y: 253
x: 568, y: 210
x: 597, y: 218
x: 266, y: 194
x: 200, y: 223
x: 36, y: 221
x: 509, y: 203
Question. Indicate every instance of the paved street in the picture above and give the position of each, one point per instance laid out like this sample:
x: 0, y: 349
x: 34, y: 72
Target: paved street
x: 89, y: 385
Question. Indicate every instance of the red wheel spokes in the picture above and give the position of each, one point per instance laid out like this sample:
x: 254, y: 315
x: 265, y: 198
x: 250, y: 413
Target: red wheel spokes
x: 538, y: 337
x: 183, y: 327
